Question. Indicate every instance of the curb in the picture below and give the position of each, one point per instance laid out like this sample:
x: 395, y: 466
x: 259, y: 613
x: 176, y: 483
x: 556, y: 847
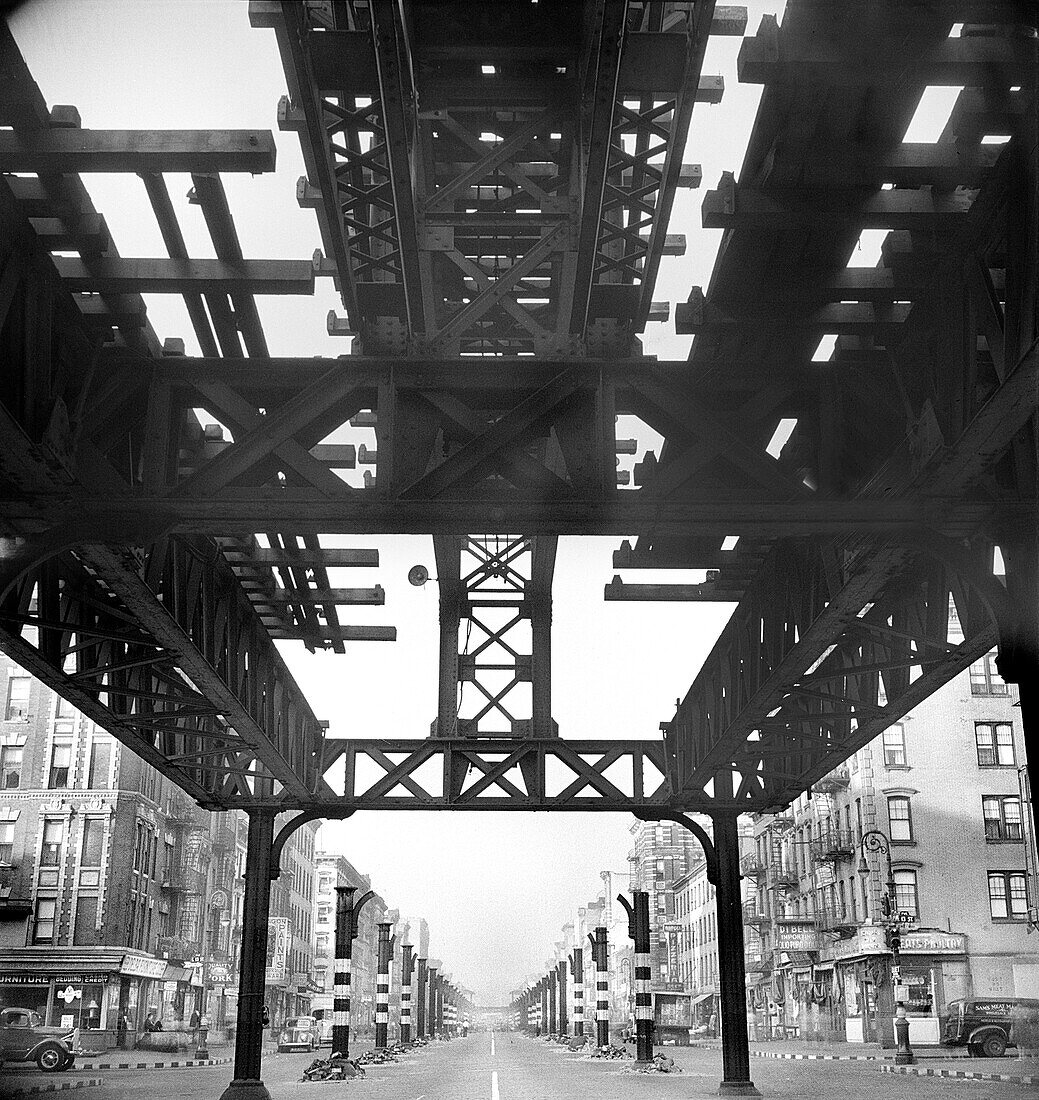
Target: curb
x: 927, y: 1071
x: 56, y: 1086
x: 788, y: 1056
x: 153, y: 1065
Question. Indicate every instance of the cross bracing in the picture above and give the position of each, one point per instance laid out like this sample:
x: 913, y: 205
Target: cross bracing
x: 493, y: 198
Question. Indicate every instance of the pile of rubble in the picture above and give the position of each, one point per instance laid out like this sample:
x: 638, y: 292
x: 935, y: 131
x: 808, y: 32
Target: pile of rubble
x: 660, y: 1064
x: 611, y: 1051
x: 380, y: 1057
x: 333, y: 1068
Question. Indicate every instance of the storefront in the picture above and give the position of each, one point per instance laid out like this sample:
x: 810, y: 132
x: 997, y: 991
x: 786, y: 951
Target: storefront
x: 934, y: 967
x: 104, y: 992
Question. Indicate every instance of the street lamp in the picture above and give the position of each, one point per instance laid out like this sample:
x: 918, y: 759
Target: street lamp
x: 873, y: 840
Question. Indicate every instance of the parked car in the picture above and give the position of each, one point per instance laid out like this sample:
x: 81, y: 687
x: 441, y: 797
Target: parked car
x: 24, y: 1038
x: 298, y: 1033
x: 986, y: 1026
x: 324, y: 1029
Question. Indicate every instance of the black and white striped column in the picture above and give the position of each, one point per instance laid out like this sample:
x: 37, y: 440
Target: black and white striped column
x: 643, y: 976
x: 406, y: 966
x: 577, y: 973
x: 341, y: 970
x: 382, y: 986
x: 601, y: 957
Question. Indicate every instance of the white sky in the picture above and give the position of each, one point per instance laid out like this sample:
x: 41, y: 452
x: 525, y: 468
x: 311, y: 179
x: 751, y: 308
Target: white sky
x: 495, y: 887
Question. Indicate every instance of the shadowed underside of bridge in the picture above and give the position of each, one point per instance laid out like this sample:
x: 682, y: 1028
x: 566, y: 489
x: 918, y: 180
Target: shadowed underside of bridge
x: 493, y: 185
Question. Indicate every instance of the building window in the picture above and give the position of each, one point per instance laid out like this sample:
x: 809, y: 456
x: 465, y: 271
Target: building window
x: 984, y: 679
x: 1002, y: 817
x: 43, y: 922
x: 324, y: 914
x: 895, y: 745
x: 100, y: 764
x: 93, y: 841
x: 6, y: 842
x: 11, y: 766
x: 995, y: 742
x: 905, y: 893
x: 50, y: 852
x: 61, y: 763
x: 64, y: 709
x: 900, y: 818
x: 1007, y: 897
x: 17, y: 697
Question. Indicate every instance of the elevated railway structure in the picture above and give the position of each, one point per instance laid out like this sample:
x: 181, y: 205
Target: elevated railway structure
x: 493, y: 186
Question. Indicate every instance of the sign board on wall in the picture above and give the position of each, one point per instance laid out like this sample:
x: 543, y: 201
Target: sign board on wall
x: 279, y: 933
x: 797, y: 937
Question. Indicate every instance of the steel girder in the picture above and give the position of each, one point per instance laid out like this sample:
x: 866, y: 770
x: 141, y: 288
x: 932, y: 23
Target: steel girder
x: 494, y: 182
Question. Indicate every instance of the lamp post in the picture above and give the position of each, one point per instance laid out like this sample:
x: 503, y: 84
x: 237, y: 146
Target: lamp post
x: 873, y: 840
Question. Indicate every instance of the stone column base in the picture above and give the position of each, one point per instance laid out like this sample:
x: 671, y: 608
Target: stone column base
x: 737, y: 1088
x: 244, y: 1089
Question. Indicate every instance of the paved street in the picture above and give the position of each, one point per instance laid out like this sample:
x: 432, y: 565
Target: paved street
x: 513, y: 1067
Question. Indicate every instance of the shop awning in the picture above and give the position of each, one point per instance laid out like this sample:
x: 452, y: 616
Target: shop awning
x: 176, y: 974
x: 703, y: 997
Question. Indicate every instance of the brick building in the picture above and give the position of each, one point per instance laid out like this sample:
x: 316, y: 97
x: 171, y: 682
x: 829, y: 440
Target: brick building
x: 118, y: 896
x: 943, y: 790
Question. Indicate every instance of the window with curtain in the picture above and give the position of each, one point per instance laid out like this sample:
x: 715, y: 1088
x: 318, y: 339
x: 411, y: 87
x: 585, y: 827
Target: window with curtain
x: 906, y: 897
x: 1002, y: 814
x: 1007, y: 896
x: 11, y: 767
x: 895, y: 745
x: 995, y: 741
x: 18, y: 688
x: 984, y: 679
x: 61, y: 764
x: 53, y: 833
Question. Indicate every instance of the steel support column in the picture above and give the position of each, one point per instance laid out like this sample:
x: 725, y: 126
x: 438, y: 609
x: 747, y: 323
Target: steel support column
x: 561, y: 987
x: 638, y: 930
x: 731, y: 974
x: 347, y: 913
x: 577, y: 973
x: 431, y: 975
x: 601, y: 958
x: 246, y: 1083
x: 553, y: 1002
x: 406, y: 971
x: 382, y: 986
x: 420, y: 1000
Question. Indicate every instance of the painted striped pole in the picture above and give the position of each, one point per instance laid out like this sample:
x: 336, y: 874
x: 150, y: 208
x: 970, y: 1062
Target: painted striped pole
x: 382, y: 987
x: 431, y: 975
x: 561, y: 986
x: 577, y: 973
x: 601, y: 958
x: 638, y: 930
x: 553, y: 997
x: 406, y: 968
x: 347, y: 914
x: 544, y: 1005
x: 420, y: 1000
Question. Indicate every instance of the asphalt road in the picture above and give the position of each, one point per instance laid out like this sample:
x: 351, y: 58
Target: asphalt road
x: 513, y: 1067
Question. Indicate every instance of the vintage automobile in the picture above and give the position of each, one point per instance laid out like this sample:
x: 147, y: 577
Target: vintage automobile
x: 24, y: 1038
x: 298, y: 1033
x: 986, y: 1026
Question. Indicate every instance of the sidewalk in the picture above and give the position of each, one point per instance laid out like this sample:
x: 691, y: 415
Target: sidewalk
x: 930, y: 1061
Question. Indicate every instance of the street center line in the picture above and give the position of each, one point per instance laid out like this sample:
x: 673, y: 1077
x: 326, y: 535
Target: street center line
x: 492, y: 1044
x: 494, y: 1086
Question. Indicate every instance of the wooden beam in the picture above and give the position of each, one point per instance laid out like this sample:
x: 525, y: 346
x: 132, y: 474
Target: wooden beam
x: 332, y: 558
x: 106, y: 275
x: 74, y: 150
x: 708, y: 592
x: 375, y: 596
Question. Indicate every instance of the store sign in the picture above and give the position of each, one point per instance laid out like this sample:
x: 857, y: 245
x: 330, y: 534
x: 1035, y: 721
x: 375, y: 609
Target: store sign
x: 279, y: 932
x: 45, y: 979
x: 934, y: 943
x: 143, y: 966
x: 218, y: 974
x: 797, y: 937
x: 870, y: 939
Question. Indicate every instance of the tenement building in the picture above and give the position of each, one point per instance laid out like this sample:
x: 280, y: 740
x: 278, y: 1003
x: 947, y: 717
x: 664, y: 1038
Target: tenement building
x: 903, y: 872
x: 119, y: 898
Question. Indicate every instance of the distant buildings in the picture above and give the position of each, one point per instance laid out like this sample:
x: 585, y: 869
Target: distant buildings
x: 119, y: 897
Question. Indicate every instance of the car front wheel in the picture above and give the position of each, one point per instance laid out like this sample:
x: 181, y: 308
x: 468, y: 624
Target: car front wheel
x: 51, y: 1058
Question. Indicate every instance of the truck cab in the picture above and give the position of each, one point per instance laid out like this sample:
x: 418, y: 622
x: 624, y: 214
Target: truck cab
x: 986, y: 1025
